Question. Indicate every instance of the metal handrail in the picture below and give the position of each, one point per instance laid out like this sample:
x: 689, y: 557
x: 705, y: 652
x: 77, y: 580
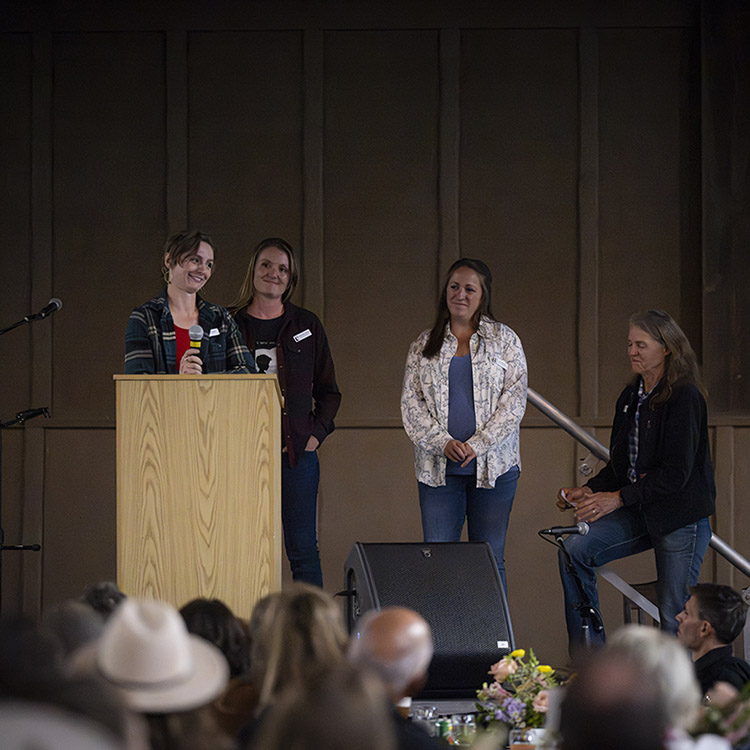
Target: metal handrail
x: 600, y: 451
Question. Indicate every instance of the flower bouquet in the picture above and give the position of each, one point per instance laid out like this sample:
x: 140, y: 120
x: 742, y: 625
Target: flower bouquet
x: 728, y: 716
x: 519, y: 695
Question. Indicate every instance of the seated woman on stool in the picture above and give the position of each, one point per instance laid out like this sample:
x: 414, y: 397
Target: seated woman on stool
x: 657, y: 490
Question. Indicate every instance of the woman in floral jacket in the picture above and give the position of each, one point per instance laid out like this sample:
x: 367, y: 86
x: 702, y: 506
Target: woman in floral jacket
x: 463, y: 398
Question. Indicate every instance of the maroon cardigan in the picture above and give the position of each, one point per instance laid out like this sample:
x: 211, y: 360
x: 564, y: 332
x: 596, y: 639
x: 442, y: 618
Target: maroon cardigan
x: 306, y: 377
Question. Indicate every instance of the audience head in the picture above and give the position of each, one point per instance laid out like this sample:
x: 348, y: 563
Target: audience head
x: 33, y: 726
x: 297, y: 634
x: 103, y: 597
x: 213, y: 620
x: 668, y: 667
x: 195, y: 729
x: 612, y: 703
x: 33, y: 672
x: 347, y: 710
x: 31, y: 660
x: 396, y: 644
x: 714, y: 613
x: 146, y: 652
x: 74, y: 624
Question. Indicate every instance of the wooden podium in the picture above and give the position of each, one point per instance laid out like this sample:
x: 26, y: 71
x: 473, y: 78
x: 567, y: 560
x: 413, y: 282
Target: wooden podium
x: 199, y: 487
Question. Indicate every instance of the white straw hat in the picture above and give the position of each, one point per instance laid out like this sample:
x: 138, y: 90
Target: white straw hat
x: 147, y: 652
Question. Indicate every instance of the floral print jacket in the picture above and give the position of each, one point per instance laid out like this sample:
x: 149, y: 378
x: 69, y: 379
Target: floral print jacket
x: 498, y: 367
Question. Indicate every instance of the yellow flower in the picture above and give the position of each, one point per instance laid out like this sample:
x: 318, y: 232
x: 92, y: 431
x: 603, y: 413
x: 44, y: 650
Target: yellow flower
x: 519, y: 653
x: 545, y: 669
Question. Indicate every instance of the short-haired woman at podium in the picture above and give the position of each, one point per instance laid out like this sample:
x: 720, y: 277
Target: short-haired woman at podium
x: 290, y: 341
x: 158, y: 337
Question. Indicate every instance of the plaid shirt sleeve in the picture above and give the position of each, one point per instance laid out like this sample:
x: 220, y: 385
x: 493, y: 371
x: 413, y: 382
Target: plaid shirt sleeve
x: 142, y: 343
x: 238, y: 357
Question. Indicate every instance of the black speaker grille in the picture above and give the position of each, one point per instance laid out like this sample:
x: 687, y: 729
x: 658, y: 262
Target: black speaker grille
x: 456, y: 588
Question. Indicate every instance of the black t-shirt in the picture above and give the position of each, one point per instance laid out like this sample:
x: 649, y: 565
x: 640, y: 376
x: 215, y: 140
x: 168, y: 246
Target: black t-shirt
x: 266, y: 337
x: 720, y: 665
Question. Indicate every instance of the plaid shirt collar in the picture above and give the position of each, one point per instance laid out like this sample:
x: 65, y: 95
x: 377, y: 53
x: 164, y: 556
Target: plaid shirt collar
x: 633, y: 437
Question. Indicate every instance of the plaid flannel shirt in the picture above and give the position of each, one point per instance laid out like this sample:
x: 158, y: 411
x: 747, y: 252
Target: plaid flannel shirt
x: 151, y: 346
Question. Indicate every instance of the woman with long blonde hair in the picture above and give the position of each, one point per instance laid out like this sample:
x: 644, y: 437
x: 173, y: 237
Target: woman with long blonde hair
x: 290, y: 342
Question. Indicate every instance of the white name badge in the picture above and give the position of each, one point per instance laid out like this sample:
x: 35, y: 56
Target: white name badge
x: 302, y: 335
x: 213, y: 332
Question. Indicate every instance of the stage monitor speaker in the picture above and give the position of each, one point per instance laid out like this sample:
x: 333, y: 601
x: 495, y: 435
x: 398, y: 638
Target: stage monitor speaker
x: 455, y: 586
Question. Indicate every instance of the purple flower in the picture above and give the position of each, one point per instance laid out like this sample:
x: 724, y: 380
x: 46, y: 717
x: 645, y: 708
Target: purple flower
x: 511, y: 711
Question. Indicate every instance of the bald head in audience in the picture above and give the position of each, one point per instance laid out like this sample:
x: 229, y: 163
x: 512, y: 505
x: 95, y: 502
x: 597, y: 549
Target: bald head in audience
x: 396, y: 644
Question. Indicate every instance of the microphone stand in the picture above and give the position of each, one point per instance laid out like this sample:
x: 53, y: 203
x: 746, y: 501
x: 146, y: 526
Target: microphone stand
x: 23, y: 321
x: 20, y: 418
x: 15, y: 325
x: 591, y: 618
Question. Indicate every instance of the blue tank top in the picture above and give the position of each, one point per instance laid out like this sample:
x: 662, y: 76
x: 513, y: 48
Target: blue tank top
x: 462, y: 421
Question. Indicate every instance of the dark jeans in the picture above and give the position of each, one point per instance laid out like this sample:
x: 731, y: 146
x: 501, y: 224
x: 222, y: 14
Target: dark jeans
x: 623, y: 533
x: 299, y: 509
x: 487, y: 511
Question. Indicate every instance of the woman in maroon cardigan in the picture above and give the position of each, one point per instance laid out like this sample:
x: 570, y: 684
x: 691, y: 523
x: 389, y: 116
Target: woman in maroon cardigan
x: 290, y: 341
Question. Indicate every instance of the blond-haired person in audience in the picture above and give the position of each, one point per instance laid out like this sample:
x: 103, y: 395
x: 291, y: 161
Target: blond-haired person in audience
x: 667, y: 664
x: 347, y: 710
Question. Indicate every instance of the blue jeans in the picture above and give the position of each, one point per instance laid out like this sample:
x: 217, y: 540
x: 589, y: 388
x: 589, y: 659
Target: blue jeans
x: 622, y: 533
x: 487, y: 511
x: 299, y: 509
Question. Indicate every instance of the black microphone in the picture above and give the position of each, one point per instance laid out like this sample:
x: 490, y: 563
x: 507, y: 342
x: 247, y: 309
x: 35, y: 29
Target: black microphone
x: 22, y: 416
x: 52, y: 306
x: 581, y: 528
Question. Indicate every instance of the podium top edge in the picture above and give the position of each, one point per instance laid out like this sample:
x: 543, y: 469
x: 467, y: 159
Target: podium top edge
x: 204, y: 378
x: 207, y: 376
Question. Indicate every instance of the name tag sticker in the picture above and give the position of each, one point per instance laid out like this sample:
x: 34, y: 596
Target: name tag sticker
x: 302, y: 335
x: 213, y: 332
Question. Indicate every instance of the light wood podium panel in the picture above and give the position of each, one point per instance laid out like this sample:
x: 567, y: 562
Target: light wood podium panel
x: 199, y: 487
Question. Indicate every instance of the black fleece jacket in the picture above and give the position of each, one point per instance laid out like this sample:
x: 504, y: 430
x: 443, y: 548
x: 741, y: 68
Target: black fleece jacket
x: 675, y: 485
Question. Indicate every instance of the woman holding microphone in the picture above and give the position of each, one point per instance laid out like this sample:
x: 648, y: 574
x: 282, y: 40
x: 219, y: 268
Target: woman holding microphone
x: 157, y: 340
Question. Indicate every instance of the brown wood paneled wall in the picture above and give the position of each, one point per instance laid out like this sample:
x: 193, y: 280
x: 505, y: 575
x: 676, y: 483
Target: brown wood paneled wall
x: 16, y: 58
x: 726, y: 195
x: 381, y: 208
x: 581, y: 149
x: 518, y: 189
